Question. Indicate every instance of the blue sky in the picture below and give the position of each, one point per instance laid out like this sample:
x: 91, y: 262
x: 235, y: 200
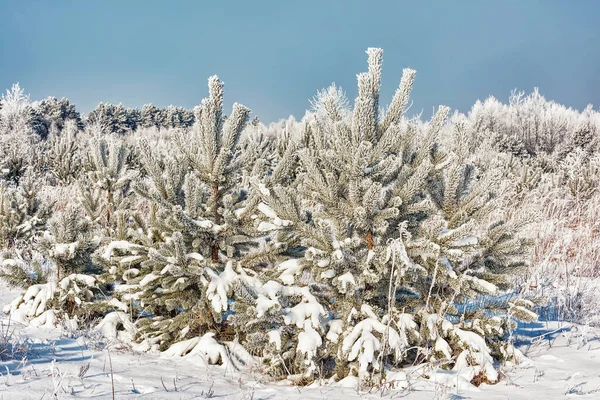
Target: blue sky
x: 274, y: 55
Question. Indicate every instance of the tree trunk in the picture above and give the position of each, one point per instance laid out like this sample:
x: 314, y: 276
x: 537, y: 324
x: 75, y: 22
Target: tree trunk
x: 369, y: 240
x: 108, y: 213
x: 215, y: 247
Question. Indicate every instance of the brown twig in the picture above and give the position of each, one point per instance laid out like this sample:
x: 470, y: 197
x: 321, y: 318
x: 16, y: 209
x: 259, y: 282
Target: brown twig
x: 112, y: 378
x: 163, y: 384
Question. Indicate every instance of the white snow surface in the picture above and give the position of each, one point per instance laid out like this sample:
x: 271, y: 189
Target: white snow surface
x: 562, y: 362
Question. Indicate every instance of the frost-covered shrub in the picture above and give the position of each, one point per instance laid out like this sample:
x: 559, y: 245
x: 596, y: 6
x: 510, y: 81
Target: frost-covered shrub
x: 579, y: 174
x: 566, y: 254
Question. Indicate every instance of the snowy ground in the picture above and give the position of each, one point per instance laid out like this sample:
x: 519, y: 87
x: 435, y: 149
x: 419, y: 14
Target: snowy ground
x: 565, y: 363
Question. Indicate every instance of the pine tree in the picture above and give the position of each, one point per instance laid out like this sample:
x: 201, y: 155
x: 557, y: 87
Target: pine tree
x: 133, y: 119
x: 110, y: 118
x: 107, y: 183
x: 21, y: 274
x: 72, y: 288
x: 149, y: 116
x: 197, y: 239
x: 171, y: 117
x: 64, y: 159
x: 51, y: 114
x: 22, y: 214
x: 16, y: 109
x: 177, y: 117
x: 69, y: 243
x: 393, y: 230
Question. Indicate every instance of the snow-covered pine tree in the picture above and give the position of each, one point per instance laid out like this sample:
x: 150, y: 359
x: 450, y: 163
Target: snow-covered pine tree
x: 15, y: 110
x: 197, y: 239
x: 71, y: 286
x: 20, y: 273
x: 178, y: 117
x: 107, y: 183
x: 149, y: 116
x: 17, y: 138
x: 216, y: 161
x: 391, y: 226
x: 17, y: 154
x: 53, y: 113
x: 69, y: 243
x: 63, y: 158
x: 579, y: 174
x: 22, y: 214
x: 585, y: 138
x: 110, y: 118
x: 133, y: 119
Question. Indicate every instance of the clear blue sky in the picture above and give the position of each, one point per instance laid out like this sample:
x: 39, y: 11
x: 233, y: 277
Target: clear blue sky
x: 274, y: 55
